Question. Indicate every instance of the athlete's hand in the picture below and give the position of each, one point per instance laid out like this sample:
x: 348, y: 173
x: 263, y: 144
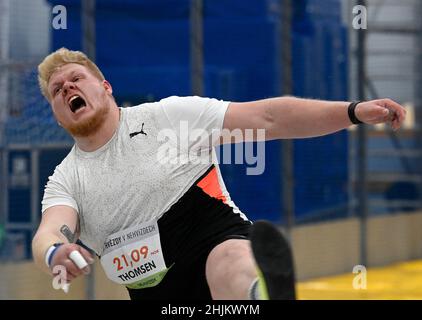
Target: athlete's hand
x: 61, y: 258
x: 381, y: 111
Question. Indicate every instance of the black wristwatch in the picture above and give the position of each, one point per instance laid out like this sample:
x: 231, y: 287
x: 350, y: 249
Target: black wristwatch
x: 351, y: 112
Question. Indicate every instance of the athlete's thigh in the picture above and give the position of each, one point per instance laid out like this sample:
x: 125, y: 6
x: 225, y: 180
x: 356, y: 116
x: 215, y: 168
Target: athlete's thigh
x: 229, y: 257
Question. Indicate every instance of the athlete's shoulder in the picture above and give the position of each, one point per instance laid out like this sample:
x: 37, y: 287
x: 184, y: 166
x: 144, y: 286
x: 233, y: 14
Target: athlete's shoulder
x: 70, y: 157
x: 175, y: 100
x: 143, y: 106
x: 67, y: 165
x: 141, y: 109
x: 140, y: 113
x: 171, y: 101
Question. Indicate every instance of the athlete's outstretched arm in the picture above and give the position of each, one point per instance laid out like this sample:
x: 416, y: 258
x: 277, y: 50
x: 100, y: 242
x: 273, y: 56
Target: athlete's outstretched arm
x: 290, y: 117
x: 59, y: 224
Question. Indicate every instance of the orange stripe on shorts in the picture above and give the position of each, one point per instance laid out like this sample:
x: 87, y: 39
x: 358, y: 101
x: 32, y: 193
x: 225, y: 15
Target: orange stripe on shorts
x: 210, y: 185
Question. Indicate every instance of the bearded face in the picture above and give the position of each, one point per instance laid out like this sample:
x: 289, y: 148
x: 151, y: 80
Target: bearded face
x: 79, y: 100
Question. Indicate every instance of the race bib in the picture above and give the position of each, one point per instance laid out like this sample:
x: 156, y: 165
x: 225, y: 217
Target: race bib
x: 133, y: 257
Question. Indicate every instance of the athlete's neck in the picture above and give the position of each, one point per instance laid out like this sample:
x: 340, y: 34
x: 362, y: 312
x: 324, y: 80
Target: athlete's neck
x: 103, y: 135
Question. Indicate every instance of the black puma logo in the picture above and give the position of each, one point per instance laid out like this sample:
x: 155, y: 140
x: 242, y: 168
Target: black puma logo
x: 138, y: 132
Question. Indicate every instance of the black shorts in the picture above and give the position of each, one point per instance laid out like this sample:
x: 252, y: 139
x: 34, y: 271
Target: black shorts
x: 188, y: 232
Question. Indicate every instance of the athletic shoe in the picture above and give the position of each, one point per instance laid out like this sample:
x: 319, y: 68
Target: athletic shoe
x: 274, y: 258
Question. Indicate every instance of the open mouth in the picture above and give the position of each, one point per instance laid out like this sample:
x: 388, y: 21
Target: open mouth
x: 76, y: 103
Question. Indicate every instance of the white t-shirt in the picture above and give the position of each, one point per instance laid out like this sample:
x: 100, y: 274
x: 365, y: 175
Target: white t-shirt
x: 128, y: 180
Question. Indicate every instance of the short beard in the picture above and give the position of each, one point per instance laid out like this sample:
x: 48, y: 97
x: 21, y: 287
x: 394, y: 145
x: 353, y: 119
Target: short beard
x: 90, y: 125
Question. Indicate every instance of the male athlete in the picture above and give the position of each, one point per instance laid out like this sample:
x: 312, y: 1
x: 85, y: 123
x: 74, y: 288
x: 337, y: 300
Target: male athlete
x: 163, y: 227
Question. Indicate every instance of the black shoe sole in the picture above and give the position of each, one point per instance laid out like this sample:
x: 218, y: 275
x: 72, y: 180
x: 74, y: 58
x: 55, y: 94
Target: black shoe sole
x: 273, y: 256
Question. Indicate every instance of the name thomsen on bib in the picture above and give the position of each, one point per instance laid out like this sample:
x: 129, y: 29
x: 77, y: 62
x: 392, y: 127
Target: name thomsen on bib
x: 133, y: 257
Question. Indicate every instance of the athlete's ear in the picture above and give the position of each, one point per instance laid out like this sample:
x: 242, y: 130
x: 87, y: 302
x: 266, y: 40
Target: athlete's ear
x: 107, y: 86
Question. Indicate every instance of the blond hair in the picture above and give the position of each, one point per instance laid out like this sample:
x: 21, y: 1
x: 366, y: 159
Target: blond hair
x: 59, y: 58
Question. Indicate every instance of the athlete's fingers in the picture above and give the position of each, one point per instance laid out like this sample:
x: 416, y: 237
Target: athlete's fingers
x: 79, y: 261
x: 86, y: 255
x: 64, y: 256
x: 396, y: 123
x: 397, y: 111
x: 72, y: 269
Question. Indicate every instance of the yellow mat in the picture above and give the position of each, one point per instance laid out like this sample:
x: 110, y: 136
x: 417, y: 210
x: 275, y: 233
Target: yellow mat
x: 396, y: 282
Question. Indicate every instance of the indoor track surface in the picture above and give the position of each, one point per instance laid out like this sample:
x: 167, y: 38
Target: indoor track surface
x: 400, y: 281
